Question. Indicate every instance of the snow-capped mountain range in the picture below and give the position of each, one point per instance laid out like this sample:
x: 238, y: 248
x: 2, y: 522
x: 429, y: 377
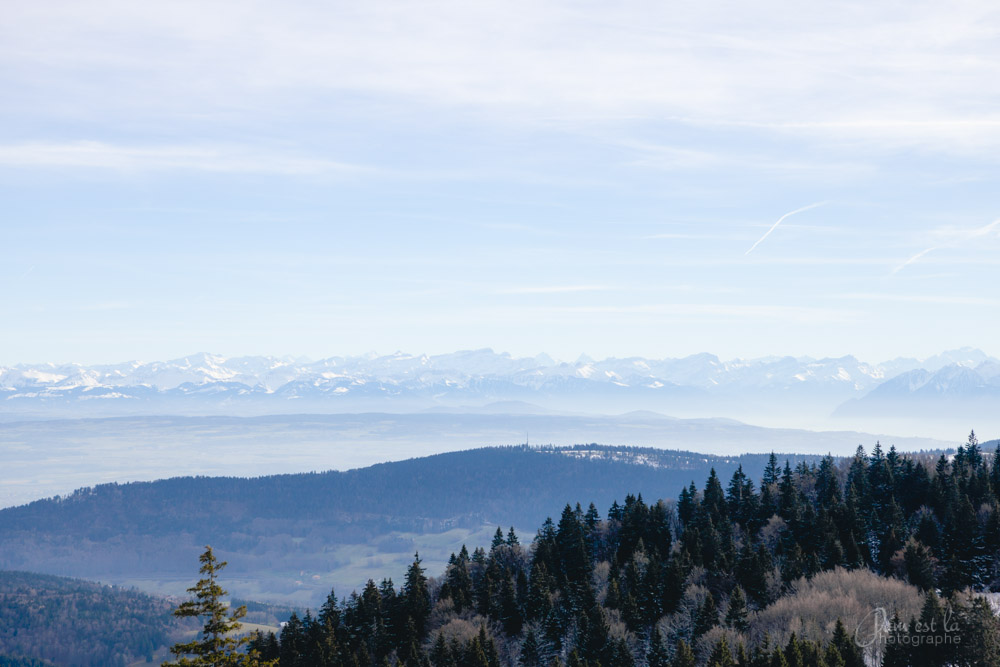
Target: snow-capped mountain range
x: 701, y: 384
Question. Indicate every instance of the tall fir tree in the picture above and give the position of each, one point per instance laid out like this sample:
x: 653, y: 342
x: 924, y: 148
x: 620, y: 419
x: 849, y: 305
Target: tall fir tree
x: 216, y: 645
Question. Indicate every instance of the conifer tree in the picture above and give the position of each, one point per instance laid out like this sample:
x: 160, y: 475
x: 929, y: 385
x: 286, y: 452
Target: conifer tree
x: 793, y: 652
x: 832, y: 656
x: 440, y: 654
x: 510, y: 611
x: 497, y: 539
x: 707, y: 616
x: 980, y: 636
x: 896, y: 653
x: 409, y: 645
x: 827, y: 484
x: 215, y: 646
x: 658, y: 539
x: 715, y: 499
x: 475, y: 652
x: 622, y: 654
x: 742, y: 656
x: 919, y: 564
x: 846, y: 646
x: 721, y: 655
x: 292, y: 646
x: 932, y: 633
x: 529, y: 650
x: 416, y: 598
x: 657, y: 656
x: 778, y: 658
x: 687, y: 503
x: 684, y: 656
x: 736, y: 614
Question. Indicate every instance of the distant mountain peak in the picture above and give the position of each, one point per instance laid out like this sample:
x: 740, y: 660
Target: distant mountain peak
x: 701, y: 383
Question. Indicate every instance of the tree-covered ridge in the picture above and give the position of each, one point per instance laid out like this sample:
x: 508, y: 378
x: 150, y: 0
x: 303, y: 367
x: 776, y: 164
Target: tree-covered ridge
x: 155, y: 529
x: 789, y: 570
x: 70, y: 622
x: 481, y: 482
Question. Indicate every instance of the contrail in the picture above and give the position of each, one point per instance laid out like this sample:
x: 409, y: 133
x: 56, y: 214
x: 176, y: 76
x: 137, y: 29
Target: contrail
x: 780, y: 220
x: 959, y: 238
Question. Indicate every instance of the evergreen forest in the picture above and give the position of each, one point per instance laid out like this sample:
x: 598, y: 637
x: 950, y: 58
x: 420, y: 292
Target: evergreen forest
x: 47, y: 620
x: 880, y: 559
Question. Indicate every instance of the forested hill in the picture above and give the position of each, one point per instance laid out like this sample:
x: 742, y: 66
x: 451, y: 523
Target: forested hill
x: 516, y: 485
x: 886, y: 560
x: 47, y: 621
x: 279, y: 526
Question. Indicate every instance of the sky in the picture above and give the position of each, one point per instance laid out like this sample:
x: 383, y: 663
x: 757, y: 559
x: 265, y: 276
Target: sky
x: 634, y: 178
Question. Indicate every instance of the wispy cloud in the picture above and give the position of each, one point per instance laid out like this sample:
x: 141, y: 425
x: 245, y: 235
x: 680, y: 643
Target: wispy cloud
x: 949, y: 299
x: 952, y: 238
x: 916, y: 78
x: 553, y: 289
x: 25, y: 274
x: 99, y: 155
x: 723, y: 311
x: 779, y: 221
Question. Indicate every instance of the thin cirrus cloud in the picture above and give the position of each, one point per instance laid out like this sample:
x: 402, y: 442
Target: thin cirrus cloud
x: 552, y: 289
x: 99, y: 155
x: 722, y: 311
x: 951, y: 238
x: 780, y: 220
x: 950, y: 299
x: 919, y: 77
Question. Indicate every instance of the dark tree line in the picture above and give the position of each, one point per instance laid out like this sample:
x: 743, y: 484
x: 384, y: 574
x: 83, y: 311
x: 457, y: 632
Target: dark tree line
x: 616, y: 590
x: 70, y: 622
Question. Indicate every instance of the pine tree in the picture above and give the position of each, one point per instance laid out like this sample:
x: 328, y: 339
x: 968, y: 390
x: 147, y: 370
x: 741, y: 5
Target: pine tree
x: 768, y: 490
x: 832, y: 656
x: 497, y: 539
x: 896, y: 653
x: 530, y: 650
x: 657, y: 656
x: 686, y: 504
x: 510, y: 611
x: 684, y: 656
x: 622, y: 654
x: 932, y: 633
x: 475, y: 653
x: 793, y: 652
x: 919, y: 565
x: 827, y: 484
x: 977, y: 625
x: 415, y: 596
x: 215, y: 647
x: 736, y: 614
x: 715, y: 499
x: 721, y: 655
x: 440, y: 654
x: 846, y: 646
x: 293, y: 643
x: 707, y: 617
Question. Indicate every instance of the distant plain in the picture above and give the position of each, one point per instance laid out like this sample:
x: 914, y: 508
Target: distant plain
x: 46, y: 458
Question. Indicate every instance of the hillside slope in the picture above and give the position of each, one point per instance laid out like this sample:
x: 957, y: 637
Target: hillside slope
x: 290, y: 537
x: 72, y: 622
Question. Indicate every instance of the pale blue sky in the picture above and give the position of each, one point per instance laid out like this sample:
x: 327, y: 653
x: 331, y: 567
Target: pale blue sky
x: 253, y: 178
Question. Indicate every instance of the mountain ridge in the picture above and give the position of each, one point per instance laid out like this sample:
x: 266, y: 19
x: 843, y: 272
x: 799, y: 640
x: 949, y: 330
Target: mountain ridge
x: 202, y: 383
